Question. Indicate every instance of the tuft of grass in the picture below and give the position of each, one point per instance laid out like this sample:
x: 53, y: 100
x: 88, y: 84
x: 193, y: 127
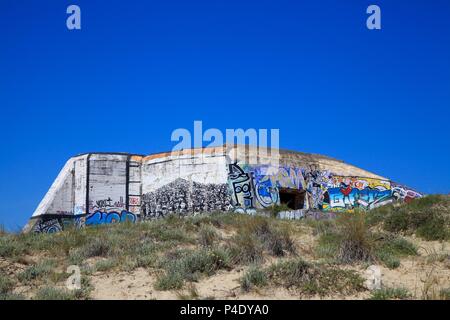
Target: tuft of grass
x: 356, y: 241
x: 389, y: 248
x: 169, y: 281
x: 207, y: 235
x: 6, y: 288
x: 311, y: 278
x: 428, y: 217
x: 105, y: 265
x: 349, y: 239
x: 389, y: 260
x: 180, y: 266
x: 253, y: 277
x: 11, y: 246
x: 256, y: 235
x: 390, y: 294
x: 245, y: 248
x: 51, y: 293
x: 444, y: 294
x: 97, y: 248
x: 6, y: 284
x: 37, y: 271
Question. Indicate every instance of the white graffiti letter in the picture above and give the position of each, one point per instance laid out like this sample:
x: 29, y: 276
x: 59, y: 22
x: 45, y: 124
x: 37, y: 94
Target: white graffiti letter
x: 374, y: 20
x: 74, y: 20
x: 74, y: 281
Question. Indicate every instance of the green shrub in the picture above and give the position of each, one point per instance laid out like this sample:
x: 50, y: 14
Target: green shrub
x: 444, y: 294
x: 50, y: 293
x: 253, y: 277
x: 390, y: 294
x: 6, y: 288
x: 10, y: 246
x: 388, y: 259
x: 257, y: 234
x: 105, y: 265
x: 169, y: 281
x: 311, y: 278
x: 6, y: 284
x: 183, y: 266
x: 37, y: 271
x: 245, y: 249
x: 356, y: 240
x: 207, y: 236
x: 434, y: 228
x: 428, y: 217
x: 291, y: 273
x: 351, y: 241
x: 96, y: 248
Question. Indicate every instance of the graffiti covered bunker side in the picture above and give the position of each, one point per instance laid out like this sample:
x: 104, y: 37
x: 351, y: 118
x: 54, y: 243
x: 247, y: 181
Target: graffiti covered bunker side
x: 99, y: 188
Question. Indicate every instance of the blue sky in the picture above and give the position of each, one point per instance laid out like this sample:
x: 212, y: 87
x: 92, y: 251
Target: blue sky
x: 137, y: 70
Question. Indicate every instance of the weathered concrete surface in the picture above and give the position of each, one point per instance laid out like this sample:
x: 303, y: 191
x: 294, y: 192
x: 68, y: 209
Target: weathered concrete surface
x: 101, y: 188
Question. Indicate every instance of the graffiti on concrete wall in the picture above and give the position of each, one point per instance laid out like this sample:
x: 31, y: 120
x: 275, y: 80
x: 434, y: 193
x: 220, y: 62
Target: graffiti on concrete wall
x: 184, y: 198
x: 107, y: 210
x: 48, y: 226
x: 268, y: 180
x: 316, y: 185
x: 100, y: 217
x: 241, y: 187
x: 347, y: 193
x: 258, y: 187
x: 404, y: 193
x: 254, y: 187
x: 107, y: 204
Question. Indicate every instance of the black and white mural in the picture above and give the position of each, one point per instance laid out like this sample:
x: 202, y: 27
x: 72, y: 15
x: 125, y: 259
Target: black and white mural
x: 184, y: 198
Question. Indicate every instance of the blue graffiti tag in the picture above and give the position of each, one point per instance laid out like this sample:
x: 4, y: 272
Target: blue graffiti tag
x: 99, y: 217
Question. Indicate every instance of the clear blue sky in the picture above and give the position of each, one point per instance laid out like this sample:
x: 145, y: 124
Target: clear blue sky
x: 140, y: 69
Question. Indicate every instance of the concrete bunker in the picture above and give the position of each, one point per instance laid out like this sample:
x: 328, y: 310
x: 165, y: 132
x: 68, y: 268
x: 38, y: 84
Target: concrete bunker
x: 101, y: 188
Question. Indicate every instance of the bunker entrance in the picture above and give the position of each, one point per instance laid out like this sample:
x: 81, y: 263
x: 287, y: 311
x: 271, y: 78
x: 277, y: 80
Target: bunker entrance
x: 294, y: 199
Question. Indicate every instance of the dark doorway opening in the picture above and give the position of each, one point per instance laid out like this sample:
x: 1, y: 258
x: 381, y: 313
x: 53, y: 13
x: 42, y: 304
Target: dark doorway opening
x: 294, y: 199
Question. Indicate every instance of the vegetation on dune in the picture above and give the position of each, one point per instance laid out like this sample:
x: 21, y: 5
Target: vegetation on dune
x: 189, y: 265
x: 183, y: 250
x: 6, y: 288
x: 390, y: 294
x: 304, y: 277
x: 427, y: 217
x: 349, y: 239
x: 253, y: 277
x: 258, y: 235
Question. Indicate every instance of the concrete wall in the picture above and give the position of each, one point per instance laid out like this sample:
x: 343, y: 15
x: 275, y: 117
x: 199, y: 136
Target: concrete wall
x: 100, y: 188
x: 185, y: 184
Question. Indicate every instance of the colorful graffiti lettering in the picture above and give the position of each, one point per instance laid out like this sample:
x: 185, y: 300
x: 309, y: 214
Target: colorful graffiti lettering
x: 241, y: 187
x: 317, y: 183
x: 99, y: 217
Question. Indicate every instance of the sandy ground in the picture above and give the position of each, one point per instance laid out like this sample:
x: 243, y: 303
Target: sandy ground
x: 431, y: 266
x: 421, y: 275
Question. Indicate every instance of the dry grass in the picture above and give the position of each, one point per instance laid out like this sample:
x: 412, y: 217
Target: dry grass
x: 180, y: 252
